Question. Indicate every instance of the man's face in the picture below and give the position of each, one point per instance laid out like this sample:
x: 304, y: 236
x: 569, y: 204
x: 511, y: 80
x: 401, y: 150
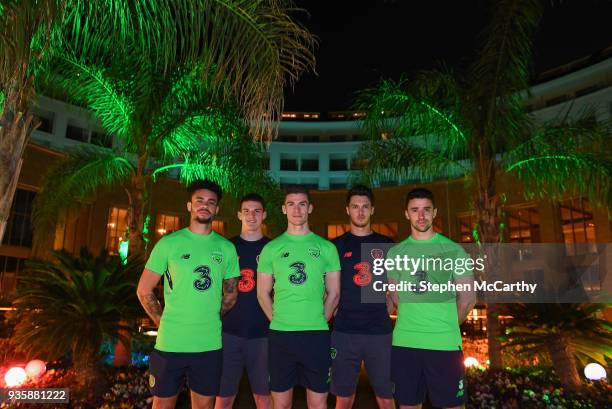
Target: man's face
x: 297, y: 208
x: 203, y: 206
x: 360, y: 210
x: 252, y: 215
x: 420, y: 213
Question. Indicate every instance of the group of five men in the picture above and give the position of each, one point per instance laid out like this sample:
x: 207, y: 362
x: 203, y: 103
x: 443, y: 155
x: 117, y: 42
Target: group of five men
x: 264, y: 305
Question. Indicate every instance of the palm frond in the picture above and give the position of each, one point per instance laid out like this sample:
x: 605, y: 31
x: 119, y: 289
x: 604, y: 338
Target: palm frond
x: 70, y: 304
x: 567, y: 158
x: 502, y: 68
x: 253, y: 46
x: 535, y: 325
x: 394, y: 111
x: 399, y: 158
x: 73, y: 180
x: 93, y: 86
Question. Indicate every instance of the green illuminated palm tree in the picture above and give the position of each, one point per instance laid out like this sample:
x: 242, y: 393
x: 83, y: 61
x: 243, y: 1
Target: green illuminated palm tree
x: 67, y: 306
x: 567, y: 332
x: 161, y: 117
x: 446, y: 125
x: 250, y: 50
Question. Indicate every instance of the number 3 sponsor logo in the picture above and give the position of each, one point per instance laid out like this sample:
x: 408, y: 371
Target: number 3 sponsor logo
x: 364, y: 275
x: 298, y: 277
x: 203, y: 282
x: 247, y: 280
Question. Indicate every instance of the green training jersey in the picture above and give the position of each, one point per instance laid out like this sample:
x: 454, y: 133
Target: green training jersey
x: 427, y: 318
x: 298, y: 264
x: 194, y: 267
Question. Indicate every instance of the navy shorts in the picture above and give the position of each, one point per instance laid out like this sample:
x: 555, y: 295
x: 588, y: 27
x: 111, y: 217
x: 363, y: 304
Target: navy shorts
x: 440, y: 374
x: 240, y: 353
x: 299, y: 358
x: 349, y: 350
x: 170, y: 370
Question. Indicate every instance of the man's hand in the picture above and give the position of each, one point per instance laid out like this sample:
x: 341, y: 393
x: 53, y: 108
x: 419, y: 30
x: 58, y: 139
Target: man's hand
x: 146, y: 296
x: 265, y: 283
x: 230, y: 295
x: 332, y: 293
x: 465, y: 299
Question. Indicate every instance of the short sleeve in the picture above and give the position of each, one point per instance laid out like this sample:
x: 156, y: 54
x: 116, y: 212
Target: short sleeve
x: 333, y: 261
x: 158, y: 260
x: 464, y: 264
x: 392, y: 273
x: 231, y: 269
x: 265, y: 260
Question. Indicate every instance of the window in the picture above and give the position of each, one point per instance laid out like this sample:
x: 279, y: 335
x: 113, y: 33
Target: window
x: 19, y: 224
x: 578, y: 226
x: 9, y: 269
x: 310, y: 138
x: 337, y: 185
x: 387, y: 229
x: 220, y: 227
x: 46, y: 123
x: 337, y: 138
x: 77, y: 133
x: 310, y: 164
x: 287, y: 138
x: 288, y: 164
x: 338, y: 164
x: 467, y: 224
x: 166, y: 224
x: 523, y: 225
x: 70, y: 234
x: 116, y: 228
x: 336, y: 230
x: 101, y: 139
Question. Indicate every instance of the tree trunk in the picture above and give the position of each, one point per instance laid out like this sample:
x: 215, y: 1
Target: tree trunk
x: 564, y: 362
x: 137, y: 194
x: 16, y: 126
x: 87, y: 366
x: 488, y: 212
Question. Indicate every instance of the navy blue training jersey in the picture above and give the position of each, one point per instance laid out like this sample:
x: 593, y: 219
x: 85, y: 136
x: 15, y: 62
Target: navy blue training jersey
x: 247, y: 319
x: 356, y: 276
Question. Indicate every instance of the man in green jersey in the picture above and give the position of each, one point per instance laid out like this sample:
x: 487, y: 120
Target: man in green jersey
x: 200, y: 270
x: 303, y: 269
x: 426, y: 356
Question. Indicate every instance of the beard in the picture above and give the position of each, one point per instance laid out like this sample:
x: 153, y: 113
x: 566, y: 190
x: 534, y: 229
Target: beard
x: 204, y: 220
x: 423, y: 229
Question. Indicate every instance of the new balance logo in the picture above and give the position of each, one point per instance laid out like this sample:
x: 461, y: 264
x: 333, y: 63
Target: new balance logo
x: 348, y: 254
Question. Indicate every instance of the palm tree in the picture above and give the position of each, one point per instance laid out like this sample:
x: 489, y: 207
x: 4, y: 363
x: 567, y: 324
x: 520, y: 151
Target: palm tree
x: 567, y: 332
x: 475, y: 126
x: 252, y: 49
x: 69, y: 305
x: 162, y: 117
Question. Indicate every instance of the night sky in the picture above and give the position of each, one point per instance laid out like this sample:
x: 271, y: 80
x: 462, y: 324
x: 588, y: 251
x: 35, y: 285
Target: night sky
x: 361, y: 42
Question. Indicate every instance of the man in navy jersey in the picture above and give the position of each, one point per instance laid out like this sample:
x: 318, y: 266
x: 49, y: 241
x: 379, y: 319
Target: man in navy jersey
x: 245, y: 327
x: 362, y: 331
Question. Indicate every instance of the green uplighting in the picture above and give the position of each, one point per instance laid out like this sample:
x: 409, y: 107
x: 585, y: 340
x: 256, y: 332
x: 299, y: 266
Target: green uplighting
x: 124, y: 247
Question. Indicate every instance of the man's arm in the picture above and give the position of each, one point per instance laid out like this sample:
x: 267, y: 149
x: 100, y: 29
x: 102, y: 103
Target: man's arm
x: 465, y: 299
x: 265, y: 283
x: 146, y: 295
x: 392, y: 299
x: 332, y: 293
x: 230, y: 295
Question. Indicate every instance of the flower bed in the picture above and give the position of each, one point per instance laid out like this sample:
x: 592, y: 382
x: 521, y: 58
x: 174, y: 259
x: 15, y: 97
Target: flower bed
x: 524, y: 388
